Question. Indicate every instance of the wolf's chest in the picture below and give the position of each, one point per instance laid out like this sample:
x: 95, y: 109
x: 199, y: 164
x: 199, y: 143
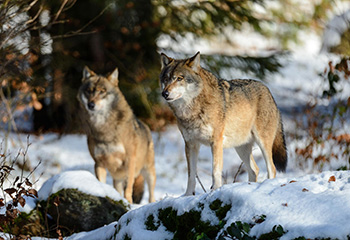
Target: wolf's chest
x: 197, y: 131
x: 106, y: 149
x: 98, y: 119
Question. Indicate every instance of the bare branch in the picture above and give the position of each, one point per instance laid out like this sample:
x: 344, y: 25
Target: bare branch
x: 60, y: 10
x: 30, y: 21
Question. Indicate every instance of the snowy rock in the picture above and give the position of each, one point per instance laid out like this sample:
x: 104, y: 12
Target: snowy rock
x: 83, y: 181
x: 313, y: 206
x: 71, y: 202
x: 77, y: 202
x: 75, y: 211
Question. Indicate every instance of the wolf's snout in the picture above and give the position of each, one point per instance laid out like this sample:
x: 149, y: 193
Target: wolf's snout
x: 91, y: 105
x: 165, y: 94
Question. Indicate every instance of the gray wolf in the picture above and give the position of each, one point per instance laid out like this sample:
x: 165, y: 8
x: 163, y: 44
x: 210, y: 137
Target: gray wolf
x: 117, y: 140
x: 222, y: 114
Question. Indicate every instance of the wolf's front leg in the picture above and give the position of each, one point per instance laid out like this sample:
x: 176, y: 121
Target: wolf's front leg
x: 217, y: 155
x: 101, y: 173
x: 119, y: 185
x: 131, y: 179
x: 192, y: 149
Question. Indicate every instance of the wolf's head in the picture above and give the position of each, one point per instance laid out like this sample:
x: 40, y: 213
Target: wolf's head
x: 97, y: 93
x: 179, y: 79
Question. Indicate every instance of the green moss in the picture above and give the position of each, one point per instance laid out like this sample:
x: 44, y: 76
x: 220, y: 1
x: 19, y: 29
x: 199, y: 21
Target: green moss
x: 276, y: 233
x: 189, y: 224
x: 220, y: 211
x: 151, y: 224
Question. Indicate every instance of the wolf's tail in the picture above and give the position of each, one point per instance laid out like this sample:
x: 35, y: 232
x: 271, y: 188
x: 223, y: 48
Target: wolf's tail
x: 279, y: 150
x: 138, y: 189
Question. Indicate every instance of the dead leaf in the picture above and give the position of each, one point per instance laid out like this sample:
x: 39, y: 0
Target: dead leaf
x: 28, y: 183
x: 331, y: 179
x: 22, y: 201
x: 305, y: 190
x: 10, y: 190
x: 33, y: 192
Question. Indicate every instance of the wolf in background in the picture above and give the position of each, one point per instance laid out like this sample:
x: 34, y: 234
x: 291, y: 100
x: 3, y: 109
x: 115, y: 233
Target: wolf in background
x: 117, y: 140
x: 222, y: 114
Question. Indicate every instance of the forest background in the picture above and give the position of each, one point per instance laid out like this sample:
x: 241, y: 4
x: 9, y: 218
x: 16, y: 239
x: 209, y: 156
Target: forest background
x: 44, y: 46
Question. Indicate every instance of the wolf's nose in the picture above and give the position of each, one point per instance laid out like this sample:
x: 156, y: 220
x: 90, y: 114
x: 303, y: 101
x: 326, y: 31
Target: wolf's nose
x: 91, y: 105
x: 165, y: 94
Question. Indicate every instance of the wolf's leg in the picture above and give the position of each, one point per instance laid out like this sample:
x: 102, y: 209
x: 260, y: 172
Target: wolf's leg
x: 192, y: 149
x: 119, y: 185
x: 131, y: 179
x: 265, y: 131
x: 266, y: 148
x: 149, y: 173
x: 245, y: 153
x: 101, y: 173
x: 217, y: 155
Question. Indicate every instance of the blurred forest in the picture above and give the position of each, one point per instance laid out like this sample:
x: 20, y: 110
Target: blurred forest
x: 44, y: 46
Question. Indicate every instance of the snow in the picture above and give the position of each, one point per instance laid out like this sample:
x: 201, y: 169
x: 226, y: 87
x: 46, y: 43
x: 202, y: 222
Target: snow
x: 83, y: 181
x: 302, y: 200
x: 312, y: 206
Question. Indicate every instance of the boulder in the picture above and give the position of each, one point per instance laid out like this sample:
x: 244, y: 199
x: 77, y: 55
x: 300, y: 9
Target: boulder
x: 74, y: 211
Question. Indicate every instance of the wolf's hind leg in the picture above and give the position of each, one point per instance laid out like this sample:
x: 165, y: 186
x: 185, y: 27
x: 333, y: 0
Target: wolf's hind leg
x: 266, y: 149
x: 265, y: 145
x: 245, y: 153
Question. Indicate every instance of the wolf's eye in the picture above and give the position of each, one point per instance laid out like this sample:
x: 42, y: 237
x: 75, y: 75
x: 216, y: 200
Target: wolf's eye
x: 102, y: 90
x: 180, y: 78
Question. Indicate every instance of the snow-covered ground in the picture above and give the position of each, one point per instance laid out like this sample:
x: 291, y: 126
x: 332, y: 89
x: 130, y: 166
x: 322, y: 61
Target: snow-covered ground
x: 320, y: 210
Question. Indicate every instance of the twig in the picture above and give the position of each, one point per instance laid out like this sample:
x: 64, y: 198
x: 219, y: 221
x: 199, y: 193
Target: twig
x: 200, y: 183
x: 79, y: 31
x: 239, y: 169
x: 60, y: 10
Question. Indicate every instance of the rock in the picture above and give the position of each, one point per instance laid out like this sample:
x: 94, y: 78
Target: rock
x: 75, y: 211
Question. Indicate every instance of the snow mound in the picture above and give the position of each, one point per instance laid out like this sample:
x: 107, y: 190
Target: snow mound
x: 313, y: 206
x: 83, y: 181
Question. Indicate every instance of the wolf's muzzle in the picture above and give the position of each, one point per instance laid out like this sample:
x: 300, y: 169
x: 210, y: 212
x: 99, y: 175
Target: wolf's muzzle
x: 165, y: 94
x: 91, y: 105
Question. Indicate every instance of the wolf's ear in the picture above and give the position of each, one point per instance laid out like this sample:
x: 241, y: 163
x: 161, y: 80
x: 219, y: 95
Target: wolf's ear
x: 113, y: 77
x: 194, y: 62
x: 87, y: 73
x: 165, y: 60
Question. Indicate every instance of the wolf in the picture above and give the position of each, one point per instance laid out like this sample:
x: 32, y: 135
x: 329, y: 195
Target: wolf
x: 222, y: 114
x: 117, y: 140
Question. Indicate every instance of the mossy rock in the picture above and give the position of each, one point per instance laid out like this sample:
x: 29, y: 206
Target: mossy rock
x: 69, y: 211
x: 74, y: 211
x: 189, y: 225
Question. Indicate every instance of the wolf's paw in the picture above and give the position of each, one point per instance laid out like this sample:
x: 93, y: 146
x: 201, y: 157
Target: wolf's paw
x: 186, y: 194
x: 214, y: 187
x: 128, y: 197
